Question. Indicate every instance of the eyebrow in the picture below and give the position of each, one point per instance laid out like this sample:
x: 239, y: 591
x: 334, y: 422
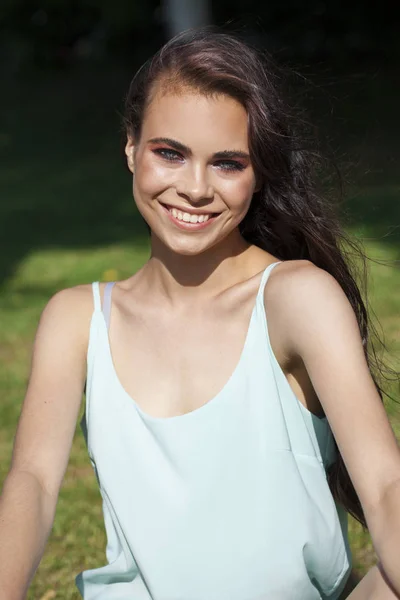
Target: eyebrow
x: 223, y: 154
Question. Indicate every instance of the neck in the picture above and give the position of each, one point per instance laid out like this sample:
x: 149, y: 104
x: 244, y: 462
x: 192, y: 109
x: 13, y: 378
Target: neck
x: 180, y: 277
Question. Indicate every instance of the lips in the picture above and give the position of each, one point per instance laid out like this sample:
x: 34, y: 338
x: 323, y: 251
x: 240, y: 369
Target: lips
x: 174, y: 214
x: 189, y: 210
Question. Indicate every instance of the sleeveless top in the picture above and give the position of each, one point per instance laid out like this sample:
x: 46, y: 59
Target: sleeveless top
x: 227, y: 502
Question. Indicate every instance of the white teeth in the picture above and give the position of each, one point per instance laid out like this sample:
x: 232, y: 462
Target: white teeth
x: 188, y: 218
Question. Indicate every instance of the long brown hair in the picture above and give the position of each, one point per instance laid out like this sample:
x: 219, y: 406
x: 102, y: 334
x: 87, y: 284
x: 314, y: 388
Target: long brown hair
x: 288, y: 217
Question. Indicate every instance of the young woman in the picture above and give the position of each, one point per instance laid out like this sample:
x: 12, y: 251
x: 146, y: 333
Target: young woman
x: 232, y: 418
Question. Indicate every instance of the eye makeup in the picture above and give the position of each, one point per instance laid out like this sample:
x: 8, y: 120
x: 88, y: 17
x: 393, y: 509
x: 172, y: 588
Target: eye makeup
x: 223, y: 159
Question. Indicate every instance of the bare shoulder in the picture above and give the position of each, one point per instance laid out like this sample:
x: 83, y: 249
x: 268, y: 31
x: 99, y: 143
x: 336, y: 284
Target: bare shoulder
x: 61, y: 341
x: 298, y: 291
x: 291, y: 274
x: 68, y: 300
x: 69, y: 309
x: 295, y: 282
x: 62, y: 334
x: 53, y: 397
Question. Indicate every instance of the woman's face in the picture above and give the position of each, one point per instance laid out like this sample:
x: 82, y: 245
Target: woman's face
x: 193, y: 179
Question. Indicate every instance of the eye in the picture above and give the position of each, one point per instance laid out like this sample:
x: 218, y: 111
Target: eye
x: 230, y: 165
x: 168, y: 154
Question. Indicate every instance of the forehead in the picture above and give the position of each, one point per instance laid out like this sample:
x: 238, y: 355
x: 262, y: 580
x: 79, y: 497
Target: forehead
x: 217, y: 122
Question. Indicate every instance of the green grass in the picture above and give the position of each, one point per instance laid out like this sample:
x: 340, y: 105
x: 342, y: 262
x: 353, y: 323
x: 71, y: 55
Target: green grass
x: 69, y: 218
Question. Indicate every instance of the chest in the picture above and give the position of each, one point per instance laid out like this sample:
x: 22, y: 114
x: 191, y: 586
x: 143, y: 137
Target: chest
x: 174, y: 366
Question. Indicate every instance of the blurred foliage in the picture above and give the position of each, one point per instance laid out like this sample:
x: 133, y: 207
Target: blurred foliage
x: 59, y: 33
x: 322, y: 29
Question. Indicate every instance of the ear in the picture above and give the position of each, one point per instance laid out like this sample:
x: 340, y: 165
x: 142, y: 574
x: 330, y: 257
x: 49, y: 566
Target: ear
x: 130, y: 154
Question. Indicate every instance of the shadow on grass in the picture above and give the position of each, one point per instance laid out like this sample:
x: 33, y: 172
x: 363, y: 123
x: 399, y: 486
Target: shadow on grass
x: 65, y: 185
x: 63, y: 175
x: 82, y: 205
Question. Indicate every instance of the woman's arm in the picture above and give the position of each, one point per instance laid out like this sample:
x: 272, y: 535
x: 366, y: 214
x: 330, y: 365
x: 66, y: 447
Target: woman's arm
x: 384, y: 527
x: 44, y: 437
x: 373, y: 586
x: 318, y: 325
x: 26, y: 517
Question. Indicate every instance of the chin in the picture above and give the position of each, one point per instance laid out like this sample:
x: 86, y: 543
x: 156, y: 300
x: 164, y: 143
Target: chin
x: 186, y: 249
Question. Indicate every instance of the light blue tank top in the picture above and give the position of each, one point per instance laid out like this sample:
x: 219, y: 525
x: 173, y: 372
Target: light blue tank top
x: 227, y: 502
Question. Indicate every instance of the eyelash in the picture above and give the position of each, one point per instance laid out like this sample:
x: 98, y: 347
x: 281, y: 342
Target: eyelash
x: 166, y: 153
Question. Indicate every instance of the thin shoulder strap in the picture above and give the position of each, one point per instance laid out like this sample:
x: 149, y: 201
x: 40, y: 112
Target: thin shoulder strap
x: 107, y: 302
x: 264, y: 278
x: 96, y: 295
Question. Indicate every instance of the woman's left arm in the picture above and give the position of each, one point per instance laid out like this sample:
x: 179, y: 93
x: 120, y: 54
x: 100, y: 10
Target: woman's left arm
x: 319, y: 326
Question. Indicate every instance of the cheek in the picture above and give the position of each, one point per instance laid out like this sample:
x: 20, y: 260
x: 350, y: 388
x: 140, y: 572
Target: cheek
x: 151, y: 178
x: 238, y: 193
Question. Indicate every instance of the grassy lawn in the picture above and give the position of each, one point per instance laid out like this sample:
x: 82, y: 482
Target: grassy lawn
x: 69, y: 218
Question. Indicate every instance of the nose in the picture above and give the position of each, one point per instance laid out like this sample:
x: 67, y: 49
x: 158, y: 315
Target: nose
x: 194, y: 185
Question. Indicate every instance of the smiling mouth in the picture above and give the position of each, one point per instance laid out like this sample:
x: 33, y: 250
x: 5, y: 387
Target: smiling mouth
x: 189, y: 217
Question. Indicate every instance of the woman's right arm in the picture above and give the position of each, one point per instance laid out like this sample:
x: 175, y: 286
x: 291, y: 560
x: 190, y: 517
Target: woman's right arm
x: 44, y: 437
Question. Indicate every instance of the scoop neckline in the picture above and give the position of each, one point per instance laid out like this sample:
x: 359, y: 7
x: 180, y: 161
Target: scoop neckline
x: 216, y: 398
x: 190, y: 414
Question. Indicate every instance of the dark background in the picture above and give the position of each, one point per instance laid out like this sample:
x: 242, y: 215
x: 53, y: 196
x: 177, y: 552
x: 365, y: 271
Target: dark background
x: 65, y: 66
x: 63, y: 33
